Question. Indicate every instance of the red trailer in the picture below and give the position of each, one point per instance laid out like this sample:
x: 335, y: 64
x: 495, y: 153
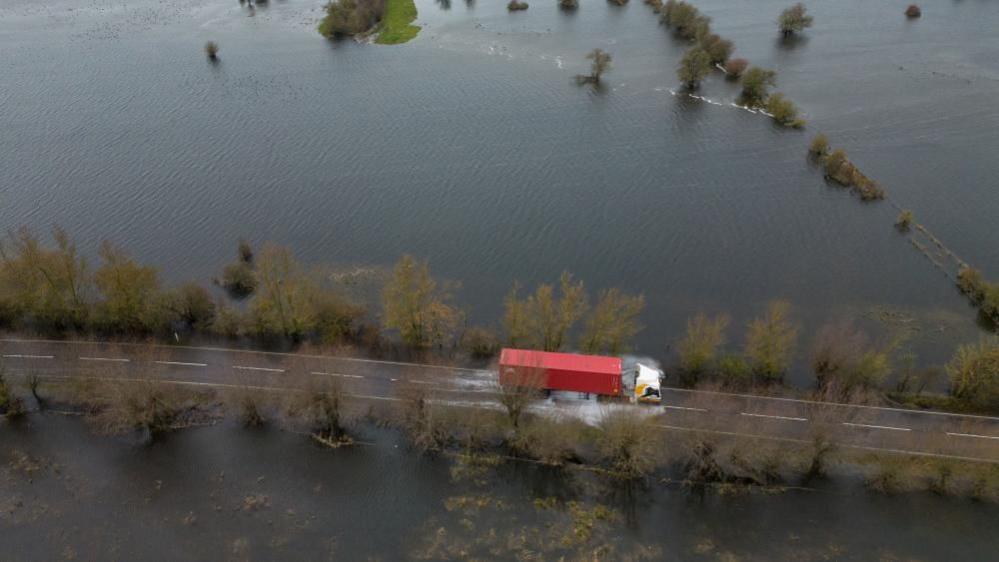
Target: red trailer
x: 561, y: 371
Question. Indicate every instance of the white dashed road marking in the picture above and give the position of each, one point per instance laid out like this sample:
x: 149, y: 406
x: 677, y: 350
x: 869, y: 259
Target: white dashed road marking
x: 786, y: 418
x: 182, y: 364
x: 264, y: 369
x: 973, y: 435
x: 337, y: 375
x: 19, y: 356
x: 888, y: 427
x: 111, y: 359
x: 685, y: 408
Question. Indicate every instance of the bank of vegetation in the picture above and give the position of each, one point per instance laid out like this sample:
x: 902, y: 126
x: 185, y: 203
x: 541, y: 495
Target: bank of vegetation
x: 626, y: 445
x: 270, y: 299
x: 390, y: 19
x: 838, y: 169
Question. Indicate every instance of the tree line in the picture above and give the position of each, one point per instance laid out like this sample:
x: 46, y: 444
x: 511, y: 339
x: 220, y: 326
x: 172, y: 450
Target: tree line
x: 847, y: 365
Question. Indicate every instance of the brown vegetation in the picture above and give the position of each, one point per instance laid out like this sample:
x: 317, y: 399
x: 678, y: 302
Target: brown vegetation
x: 628, y: 443
x: 841, y: 171
x: 735, y: 67
x: 913, y: 11
x: 351, y: 17
x: 983, y: 294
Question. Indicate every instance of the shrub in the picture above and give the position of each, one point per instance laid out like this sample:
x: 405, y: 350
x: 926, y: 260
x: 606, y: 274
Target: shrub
x: 843, y: 361
x: 694, y: 66
x: 10, y: 406
x: 756, y: 83
x: 481, y: 343
x: 248, y: 405
x: 551, y: 442
x: 212, y: 50
x: 783, y: 111
x: 913, y: 11
x: 701, y: 466
x: 718, y: 49
x: 794, y: 20
x: 600, y: 63
x: 628, y: 443
x: 770, y: 341
x: 700, y: 344
x: 121, y: 406
x: 514, y: 6
x: 321, y: 406
x: 424, y: 422
x: 351, y: 17
x: 735, y: 67
x: 974, y: 375
x: 191, y: 305
x: 238, y: 280
x: 657, y: 5
x: 618, y: 2
x: 734, y: 371
x: 568, y: 4
x: 904, y: 220
x: 819, y: 147
x: 612, y: 322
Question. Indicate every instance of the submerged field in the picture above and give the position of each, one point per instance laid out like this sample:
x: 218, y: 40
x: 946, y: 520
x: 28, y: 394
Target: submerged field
x: 223, y: 492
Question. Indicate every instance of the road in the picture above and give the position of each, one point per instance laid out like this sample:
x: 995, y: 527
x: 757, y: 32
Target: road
x: 861, y: 427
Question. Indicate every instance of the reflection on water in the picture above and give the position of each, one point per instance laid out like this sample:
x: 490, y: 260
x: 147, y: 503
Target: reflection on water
x: 225, y: 493
x: 470, y: 146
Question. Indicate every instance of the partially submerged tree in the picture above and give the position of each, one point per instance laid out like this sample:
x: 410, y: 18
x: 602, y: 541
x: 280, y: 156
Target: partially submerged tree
x: 416, y: 304
x: 600, y: 62
x: 974, y: 375
x: 568, y: 4
x: 913, y: 11
x: 516, y: 6
x: 130, y: 291
x: 212, y: 50
x: 321, y: 406
x: 543, y: 320
x: 612, y: 322
x: 783, y: 111
x: 770, y: 342
x: 756, y: 84
x: 699, y: 347
x: 694, y: 66
x: 191, y: 305
x: 627, y: 443
x: 845, y: 361
x: 238, y: 277
x: 718, y: 49
x: 904, y: 220
x: 794, y: 20
x: 735, y: 67
x: 819, y: 147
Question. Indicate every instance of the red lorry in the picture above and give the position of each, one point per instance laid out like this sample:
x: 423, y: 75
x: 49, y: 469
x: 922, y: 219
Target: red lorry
x: 586, y: 374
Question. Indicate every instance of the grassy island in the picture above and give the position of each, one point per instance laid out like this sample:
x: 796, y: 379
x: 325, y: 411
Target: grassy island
x: 397, y: 24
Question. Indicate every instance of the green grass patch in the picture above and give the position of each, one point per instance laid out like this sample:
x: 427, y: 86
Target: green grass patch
x: 396, y: 25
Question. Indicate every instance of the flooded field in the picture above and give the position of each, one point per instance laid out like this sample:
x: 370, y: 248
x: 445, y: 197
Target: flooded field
x: 226, y: 493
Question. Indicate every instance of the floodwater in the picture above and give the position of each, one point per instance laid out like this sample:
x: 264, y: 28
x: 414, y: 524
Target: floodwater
x: 471, y: 146
x: 226, y: 493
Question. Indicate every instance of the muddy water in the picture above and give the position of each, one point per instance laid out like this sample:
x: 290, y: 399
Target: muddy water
x: 225, y: 493
x: 472, y: 147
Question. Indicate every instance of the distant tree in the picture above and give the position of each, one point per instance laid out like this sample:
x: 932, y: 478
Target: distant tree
x: 819, y: 147
x: 694, y: 66
x: 974, y: 375
x: 131, y: 293
x: 515, y: 6
x: 783, y: 111
x: 543, y: 320
x: 612, y: 322
x: 351, y: 17
x: 756, y: 84
x: 794, y: 20
x: 904, y: 220
x: 717, y: 48
x: 735, y: 67
x: 699, y: 346
x: 913, y: 11
x: 770, y: 342
x: 600, y: 63
x: 417, y: 305
x: 212, y: 50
